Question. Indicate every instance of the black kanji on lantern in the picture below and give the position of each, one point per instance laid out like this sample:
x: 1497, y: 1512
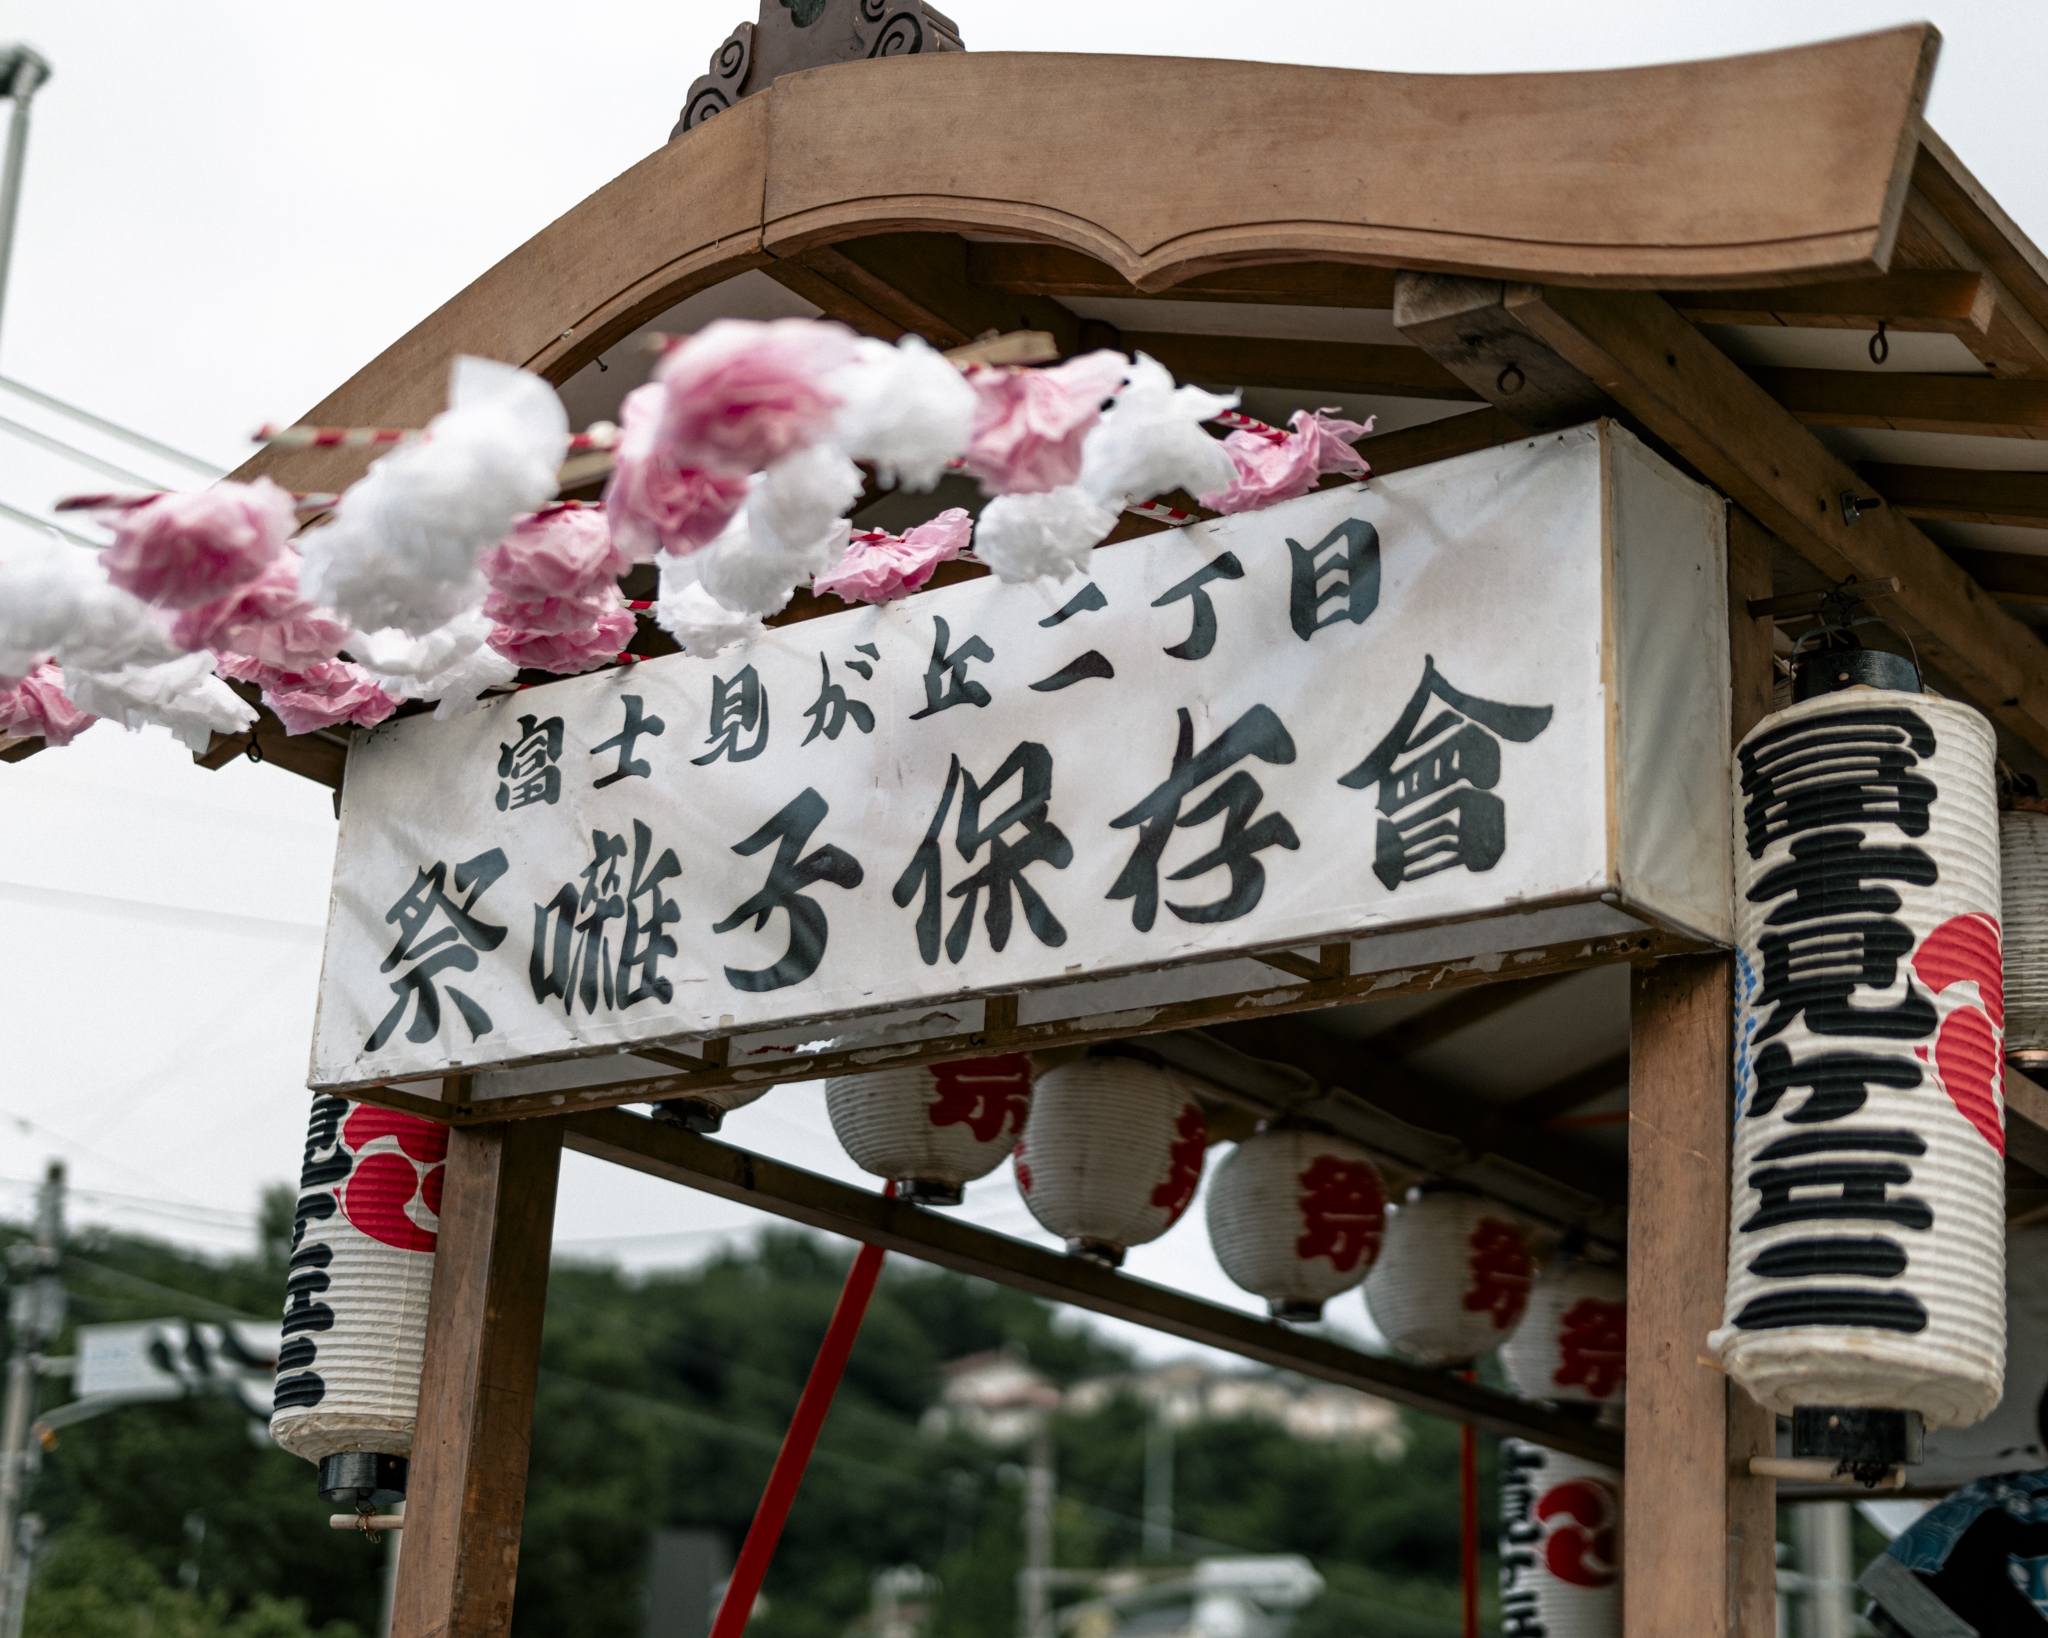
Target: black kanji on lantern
x: 946, y: 683
x: 788, y: 876
x: 1201, y: 635
x: 1341, y: 572
x: 1040, y: 841
x: 738, y: 707
x: 638, y: 725
x: 1437, y: 807
x: 529, y: 769
x: 454, y: 944
x: 834, y: 707
x: 1258, y: 733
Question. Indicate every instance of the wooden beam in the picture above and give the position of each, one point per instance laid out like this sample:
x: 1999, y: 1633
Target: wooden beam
x: 1674, y: 381
x: 1680, y: 1040
x: 1438, y: 440
x: 1332, y: 990
x: 1421, y: 1100
x: 821, y: 1203
x: 468, y: 1483
x: 1054, y: 270
x: 1459, y: 1012
x: 1962, y: 494
x: 1473, y: 329
x: 2026, y: 1120
x: 1752, y: 1521
x: 918, y: 282
x: 1959, y: 303
x: 2011, y: 577
x: 1312, y: 366
x: 1574, y: 1091
x: 1978, y: 405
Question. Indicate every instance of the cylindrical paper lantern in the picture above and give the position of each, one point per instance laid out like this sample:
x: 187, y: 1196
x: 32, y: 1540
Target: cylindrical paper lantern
x: 2023, y: 865
x: 355, y: 1317
x: 1296, y: 1217
x: 1572, y: 1344
x: 934, y: 1128
x: 1452, y: 1278
x: 1867, y: 1236
x: 1560, y: 1556
x: 706, y: 1111
x: 1111, y: 1154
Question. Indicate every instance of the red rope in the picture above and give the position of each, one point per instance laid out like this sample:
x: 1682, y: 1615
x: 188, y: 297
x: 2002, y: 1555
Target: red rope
x: 1468, y: 1521
x: 766, y: 1530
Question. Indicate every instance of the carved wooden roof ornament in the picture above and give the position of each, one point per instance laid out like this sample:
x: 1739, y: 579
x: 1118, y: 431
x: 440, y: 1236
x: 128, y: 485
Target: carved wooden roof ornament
x: 797, y: 34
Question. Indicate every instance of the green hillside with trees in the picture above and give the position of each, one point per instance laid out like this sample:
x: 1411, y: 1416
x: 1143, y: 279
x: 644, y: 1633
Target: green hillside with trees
x: 662, y: 1401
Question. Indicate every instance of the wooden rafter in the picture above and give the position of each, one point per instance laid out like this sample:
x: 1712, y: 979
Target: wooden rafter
x: 1963, y: 494
x: 1910, y: 403
x: 2011, y: 577
x: 1955, y: 302
x: 1572, y: 1092
x: 1315, y: 366
x: 1459, y: 1012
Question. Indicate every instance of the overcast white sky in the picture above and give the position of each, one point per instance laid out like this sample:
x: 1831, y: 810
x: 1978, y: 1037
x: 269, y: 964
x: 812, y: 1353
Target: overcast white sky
x: 229, y: 207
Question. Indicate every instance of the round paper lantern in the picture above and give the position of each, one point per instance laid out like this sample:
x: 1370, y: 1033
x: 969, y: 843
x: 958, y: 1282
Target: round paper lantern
x: 2023, y: 865
x: 1111, y: 1154
x: 1560, y: 1553
x: 706, y: 1111
x: 1867, y: 1232
x: 1452, y: 1278
x: 935, y: 1128
x: 355, y: 1316
x: 1572, y: 1344
x: 1297, y: 1217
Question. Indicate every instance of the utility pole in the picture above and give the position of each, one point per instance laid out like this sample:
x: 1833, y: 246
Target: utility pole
x: 1159, y: 1481
x: 35, y: 1316
x: 22, y: 73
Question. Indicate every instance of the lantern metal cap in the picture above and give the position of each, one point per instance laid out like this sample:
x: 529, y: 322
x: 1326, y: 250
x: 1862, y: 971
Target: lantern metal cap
x: 363, y: 1479
x: 1105, y: 1252
x: 1294, y: 1310
x: 1865, y: 1443
x: 923, y: 1191
x: 691, y: 1114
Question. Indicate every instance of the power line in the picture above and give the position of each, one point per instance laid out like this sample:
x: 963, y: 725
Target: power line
x: 111, y: 428
x: 35, y: 522
x: 71, y: 452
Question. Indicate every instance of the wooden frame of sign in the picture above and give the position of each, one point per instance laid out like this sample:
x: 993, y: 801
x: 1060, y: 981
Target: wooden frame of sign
x: 1583, y: 264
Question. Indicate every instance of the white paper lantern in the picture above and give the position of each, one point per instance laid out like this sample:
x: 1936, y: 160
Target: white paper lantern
x: 1452, y: 1278
x: 1560, y: 1548
x: 2023, y: 865
x: 1297, y: 1217
x: 355, y: 1317
x: 1867, y: 1230
x: 934, y: 1128
x: 706, y: 1111
x: 1112, y: 1153
x: 1572, y: 1344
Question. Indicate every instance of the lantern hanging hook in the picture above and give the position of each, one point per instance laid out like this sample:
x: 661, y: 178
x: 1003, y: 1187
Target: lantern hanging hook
x: 1880, y: 345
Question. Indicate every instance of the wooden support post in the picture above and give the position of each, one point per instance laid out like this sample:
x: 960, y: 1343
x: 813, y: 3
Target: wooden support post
x: 468, y: 1485
x: 1685, y: 1495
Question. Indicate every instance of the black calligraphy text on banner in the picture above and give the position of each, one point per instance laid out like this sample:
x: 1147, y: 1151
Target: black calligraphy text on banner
x: 1867, y: 1233
x: 1481, y: 689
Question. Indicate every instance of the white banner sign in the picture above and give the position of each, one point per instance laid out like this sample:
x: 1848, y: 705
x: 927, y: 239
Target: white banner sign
x: 1371, y: 708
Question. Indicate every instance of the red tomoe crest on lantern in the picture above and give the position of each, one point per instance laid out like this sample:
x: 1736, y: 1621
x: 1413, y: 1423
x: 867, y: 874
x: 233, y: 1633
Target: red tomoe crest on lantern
x: 983, y: 1094
x: 1344, y: 1211
x: 1578, y: 1545
x: 1190, y: 1147
x: 1968, y: 1057
x: 1501, y: 1272
x: 393, y: 1191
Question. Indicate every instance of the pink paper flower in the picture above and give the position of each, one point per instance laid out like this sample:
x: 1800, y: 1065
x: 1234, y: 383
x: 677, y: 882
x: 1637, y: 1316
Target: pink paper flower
x: 322, y: 695
x: 1277, y: 466
x: 879, y: 567
x: 567, y: 652
x: 1029, y: 424
x: 653, y: 502
x: 184, y: 550
x: 36, y: 707
x: 562, y: 551
x: 266, y: 620
x: 738, y: 395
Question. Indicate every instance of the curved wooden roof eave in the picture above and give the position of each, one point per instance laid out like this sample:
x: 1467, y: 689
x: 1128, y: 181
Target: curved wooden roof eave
x: 1778, y: 167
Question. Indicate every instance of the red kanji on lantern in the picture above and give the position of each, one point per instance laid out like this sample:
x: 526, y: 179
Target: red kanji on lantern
x: 1592, y: 1343
x: 983, y: 1094
x: 1184, y: 1163
x: 1345, y: 1213
x: 1501, y: 1272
